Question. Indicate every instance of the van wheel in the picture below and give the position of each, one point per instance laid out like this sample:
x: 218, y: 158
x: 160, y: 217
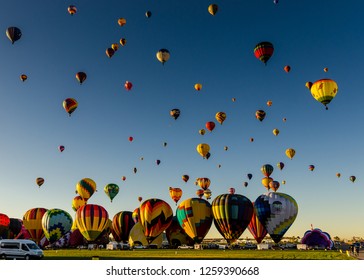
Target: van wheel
x: 27, y: 257
x: 3, y: 256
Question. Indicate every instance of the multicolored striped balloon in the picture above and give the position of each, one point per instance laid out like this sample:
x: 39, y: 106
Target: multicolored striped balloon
x: 257, y: 229
x: 86, y: 188
x: 232, y: 214
x: 122, y: 223
x: 32, y: 221
x: 155, y: 216
x: 91, y: 220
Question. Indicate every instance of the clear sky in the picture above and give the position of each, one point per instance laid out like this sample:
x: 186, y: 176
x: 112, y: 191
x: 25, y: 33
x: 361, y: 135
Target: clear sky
x: 216, y: 51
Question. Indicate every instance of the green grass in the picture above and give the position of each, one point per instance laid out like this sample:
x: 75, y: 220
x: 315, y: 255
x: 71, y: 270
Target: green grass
x: 154, y: 254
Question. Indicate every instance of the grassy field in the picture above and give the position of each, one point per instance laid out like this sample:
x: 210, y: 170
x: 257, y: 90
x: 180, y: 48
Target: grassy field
x: 155, y: 254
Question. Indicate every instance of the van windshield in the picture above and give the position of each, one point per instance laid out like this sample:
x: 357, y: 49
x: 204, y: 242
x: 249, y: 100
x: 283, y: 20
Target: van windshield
x: 33, y: 246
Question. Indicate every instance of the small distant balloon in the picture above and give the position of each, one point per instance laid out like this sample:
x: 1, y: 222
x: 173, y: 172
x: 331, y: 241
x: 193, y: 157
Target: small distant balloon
x: 185, y: 178
x: 326, y: 69
x: 123, y: 178
x: 135, y: 170
x: 198, y: 87
x: 158, y: 162
x: 130, y: 139
x: 61, y: 148
x: 175, y: 113
x: 81, y: 77
x: 122, y: 42
x: 260, y: 115
x: 275, y: 131
x: 128, y: 85
x: 70, y: 105
x: 210, y: 126
x: 287, y: 68
x: 121, y: 21
x: 23, y: 77
x: 338, y: 175
x: 249, y: 175
x: 109, y: 52
x: 163, y: 55
x: 72, y: 10
x: 115, y: 47
x: 148, y: 14
x: 311, y: 167
x: 352, y: 178
x: 231, y: 190
x: 269, y: 103
x: 202, y: 131
x: 39, y: 181
x: 245, y: 184
x: 212, y: 9
x: 13, y: 33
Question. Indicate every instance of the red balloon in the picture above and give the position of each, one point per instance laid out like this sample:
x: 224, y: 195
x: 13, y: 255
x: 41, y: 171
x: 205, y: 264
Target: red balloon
x: 131, y: 139
x: 210, y: 126
x: 128, y: 85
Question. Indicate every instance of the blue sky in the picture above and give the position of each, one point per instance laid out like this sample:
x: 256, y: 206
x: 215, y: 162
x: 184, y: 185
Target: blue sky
x: 216, y: 51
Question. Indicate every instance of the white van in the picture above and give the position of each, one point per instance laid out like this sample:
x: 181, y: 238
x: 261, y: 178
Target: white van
x: 19, y: 249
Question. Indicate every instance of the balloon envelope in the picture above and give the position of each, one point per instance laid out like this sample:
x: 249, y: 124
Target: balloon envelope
x: 111, y: 190
x: 86, y: 188
x: 277, y: 212
x: 195, y: 217
x: 256, y: 228
x: 92, y: 220
x: 56, y: 223
x: 122, y: 223
x: 32, y: 221
x: 232, y: 214
x: 155, y: 216
x: 13, y: 33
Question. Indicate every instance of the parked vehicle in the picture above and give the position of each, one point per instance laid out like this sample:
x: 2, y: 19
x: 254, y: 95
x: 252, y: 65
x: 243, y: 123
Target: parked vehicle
x: 184, y: 246
x: 20, y: 249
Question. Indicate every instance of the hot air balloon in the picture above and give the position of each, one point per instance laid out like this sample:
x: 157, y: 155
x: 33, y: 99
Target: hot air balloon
x: 56, y: 223
x: 277, y: 212
x: 290, y: 153
x: 155, y: 216
x: 158, y: 162
x: 233, y: 99
x: 121, y: 21
x: 275, y: 1
x: 122, y: 223
x: 232, y: 214
x: 123, y: 178
x: 208, y: 155
x: 81, y: 77
x: 231, y: 190
x: 4, y: 224
x: 61, y: 148
x: 251, y: 139
x: 195, y: 217
x: 115, y: 46
x: 220, y: 117
x: 198, y: 87
x: 207, y: 194
x: 274, y: 185
x: 175, y: 113
x: 148, y: 14
x: 39, y: 181
x: 283, y: 182
x: 267, y: 169
x: 175, y: 194
x: 245, y: 184
x: 210, y: 126
x: 164, y: 144
x: 269, y: 103
x: 280, y: 165
x: 185, y: 178
x: 275, y: 131
x: 70, y: 105
x: 23, y: 77
x: 163, y: 55
x: 338, y: 175
x: 249, y: 175
x: 15, y: 227
x: 324, y: 91
x: 136, y: 212
x: 13, y: 33
x: 122, y: 42
x: 260, y: 115
x: 287, y: 68
x: 130, y: 139
x: 352, y: 178
x: 86, y: 188
x: 111, y: 190
x: 176, y: 236
x: 199, y: 193
x: 110, y: 52
x: 264, y: 51
x: 311, y: 167
x: 308, y: 85
x: 72, y: 10
x: 135, y: 170
x: 326, y: 69
x: 266, y: 181
x: 128, y: 85
x: 32, y: 221
x: 202, y: 131
x: 77, y: 202
x: 203, y: 149
x: 212, y: 9
x: 256, y: 228
x: 92, y: 220
x: 203, y: 183
x: 284, y: 119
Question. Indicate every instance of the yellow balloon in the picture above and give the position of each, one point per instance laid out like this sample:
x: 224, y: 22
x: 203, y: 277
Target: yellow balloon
x: 266, y: 181
x: 220, y: 117
x: 198, y: 87
x: 324, y: 91
x: 163, y: 55
x: 203, y: 149
x: 202, y: 131
x: 275, y: 131
x: 290, y: 153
